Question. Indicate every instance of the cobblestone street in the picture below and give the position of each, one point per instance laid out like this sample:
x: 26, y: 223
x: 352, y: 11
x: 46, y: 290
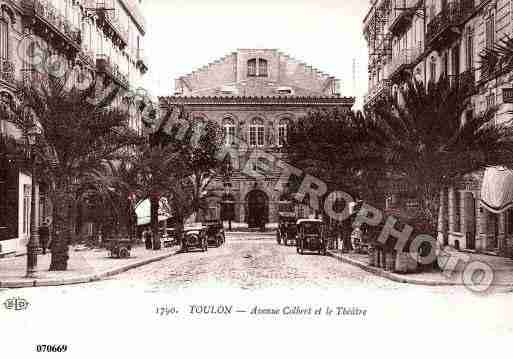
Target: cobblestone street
x: 255, y: 261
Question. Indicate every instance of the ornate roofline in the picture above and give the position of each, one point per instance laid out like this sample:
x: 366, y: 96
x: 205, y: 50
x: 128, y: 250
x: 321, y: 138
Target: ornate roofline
x: 259, y: 100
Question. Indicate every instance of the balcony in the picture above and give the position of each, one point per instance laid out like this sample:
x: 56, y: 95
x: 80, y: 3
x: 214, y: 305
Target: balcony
x: 104, y: 65
x: 111, y: 26
x: 50, y: 23
x: 466, y: 81
x: 446, y: 25
x: 7, y: 71
x: 401, y: 15
x: 405, y: 60
x: 142, y: 61
x: 382, y: 89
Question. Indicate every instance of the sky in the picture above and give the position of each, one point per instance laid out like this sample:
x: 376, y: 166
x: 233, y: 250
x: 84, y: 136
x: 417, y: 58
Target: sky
x: 183, y: 35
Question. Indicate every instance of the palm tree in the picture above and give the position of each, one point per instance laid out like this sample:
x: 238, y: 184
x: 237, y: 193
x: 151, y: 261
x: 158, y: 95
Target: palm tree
x: 77, y: 137
x: 426, y: 138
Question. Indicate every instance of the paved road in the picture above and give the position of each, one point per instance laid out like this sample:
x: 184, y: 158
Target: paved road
x: 255, y: 261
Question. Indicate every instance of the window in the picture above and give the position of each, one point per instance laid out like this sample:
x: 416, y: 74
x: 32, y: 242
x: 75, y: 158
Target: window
x: 229, y: 134
x: 282, y: 134
x: 4, y: 39
x: 470, y: 48
x: 262, y: 67
x: 490, y: 31
x: 256, y: 135
x: 432, y: 70
x: 252, y: 67
x: 257, y: 67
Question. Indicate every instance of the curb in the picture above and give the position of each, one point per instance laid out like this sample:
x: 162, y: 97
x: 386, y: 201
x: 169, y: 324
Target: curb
x: 391, y: 276
x: 83, y: 278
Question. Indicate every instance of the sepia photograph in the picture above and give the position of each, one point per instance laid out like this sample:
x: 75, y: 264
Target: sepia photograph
x: 256, y: 178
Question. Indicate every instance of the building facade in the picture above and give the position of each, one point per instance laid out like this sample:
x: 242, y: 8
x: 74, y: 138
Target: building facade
x: 253, y: 94
x: 98, y: 37
x: 428, y: 39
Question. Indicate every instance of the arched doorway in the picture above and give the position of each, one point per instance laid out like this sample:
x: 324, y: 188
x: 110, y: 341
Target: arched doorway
x: 257, y: 208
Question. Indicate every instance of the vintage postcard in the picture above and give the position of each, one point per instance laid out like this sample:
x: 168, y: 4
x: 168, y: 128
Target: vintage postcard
x: 263, y: 179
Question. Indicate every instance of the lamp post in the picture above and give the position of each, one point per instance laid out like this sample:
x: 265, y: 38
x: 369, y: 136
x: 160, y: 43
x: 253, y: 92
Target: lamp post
x: 33, y: 243
x: 228, y: 203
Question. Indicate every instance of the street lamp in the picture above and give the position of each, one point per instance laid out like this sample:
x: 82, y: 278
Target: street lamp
x: 33, y: 243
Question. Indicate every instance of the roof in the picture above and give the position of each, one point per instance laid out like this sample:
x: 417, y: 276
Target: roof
x: 259, y: 100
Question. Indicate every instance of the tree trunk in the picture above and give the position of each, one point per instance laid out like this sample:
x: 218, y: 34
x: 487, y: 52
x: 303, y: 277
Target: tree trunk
x: 154, y: 213
x: 179, y: 231
x: 62, y: 228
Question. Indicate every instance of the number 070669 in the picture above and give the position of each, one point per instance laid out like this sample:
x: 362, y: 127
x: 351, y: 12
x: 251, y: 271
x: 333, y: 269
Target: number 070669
x: 51, y: 348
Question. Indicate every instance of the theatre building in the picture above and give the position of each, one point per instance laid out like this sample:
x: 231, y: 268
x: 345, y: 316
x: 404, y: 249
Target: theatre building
x: 253, y: 94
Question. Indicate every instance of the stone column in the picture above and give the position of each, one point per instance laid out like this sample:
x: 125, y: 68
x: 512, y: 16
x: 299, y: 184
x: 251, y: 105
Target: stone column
x: 242, y: 211
x: 501, y: 236
x: 443, y: 228
x: 452, y: 210
x: 483, y: 228
x: 468, y: 216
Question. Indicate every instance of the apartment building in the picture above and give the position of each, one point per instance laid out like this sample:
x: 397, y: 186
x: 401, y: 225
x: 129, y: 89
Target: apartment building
x: 99, y: 36
x: 428, y: 39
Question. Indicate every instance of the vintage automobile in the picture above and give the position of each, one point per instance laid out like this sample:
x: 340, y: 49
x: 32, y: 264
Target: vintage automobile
x: 119, y: 248
x: 286, y: 231
x: 311, y: 236
x: 214, y: 232
x: 194, y: 237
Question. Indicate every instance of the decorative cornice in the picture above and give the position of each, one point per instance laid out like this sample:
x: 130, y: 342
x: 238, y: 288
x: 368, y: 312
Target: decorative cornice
x: 258, y: 100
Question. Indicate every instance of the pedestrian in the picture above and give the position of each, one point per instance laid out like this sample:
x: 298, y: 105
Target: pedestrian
x: 44, y: 236
x: 148, y: 238
x: 356, y: 237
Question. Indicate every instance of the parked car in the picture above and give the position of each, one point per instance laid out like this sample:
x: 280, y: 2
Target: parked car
x: 311, y: 236
x: 287, y: 230
x: 214, y: 232
x: 194, y: 237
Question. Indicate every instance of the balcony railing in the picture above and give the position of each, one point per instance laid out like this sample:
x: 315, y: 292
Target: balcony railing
x: 465, y: 81
x: 382, y: 88
x: 105, y: 66
x: 405, y: 59
x: 111, y: 26
x: 452, y: 16
x: 52, y: 20
x: 7, y: 71
x: 401, y: 14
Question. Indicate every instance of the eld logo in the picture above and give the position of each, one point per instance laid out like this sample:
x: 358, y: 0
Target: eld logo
x: 17, y: 304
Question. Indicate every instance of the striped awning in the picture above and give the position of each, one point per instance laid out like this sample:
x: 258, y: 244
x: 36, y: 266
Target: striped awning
x: 497, y: 189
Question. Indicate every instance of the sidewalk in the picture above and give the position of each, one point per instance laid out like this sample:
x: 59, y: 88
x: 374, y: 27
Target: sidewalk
x: 83, y: 267
x: 502, y: 268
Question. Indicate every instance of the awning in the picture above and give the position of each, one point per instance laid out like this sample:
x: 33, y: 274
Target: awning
x: 142, y: 210
x: 497, y: 189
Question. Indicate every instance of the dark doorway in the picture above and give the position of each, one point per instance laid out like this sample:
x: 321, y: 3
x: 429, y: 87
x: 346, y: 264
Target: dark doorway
x: 257, y: 209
